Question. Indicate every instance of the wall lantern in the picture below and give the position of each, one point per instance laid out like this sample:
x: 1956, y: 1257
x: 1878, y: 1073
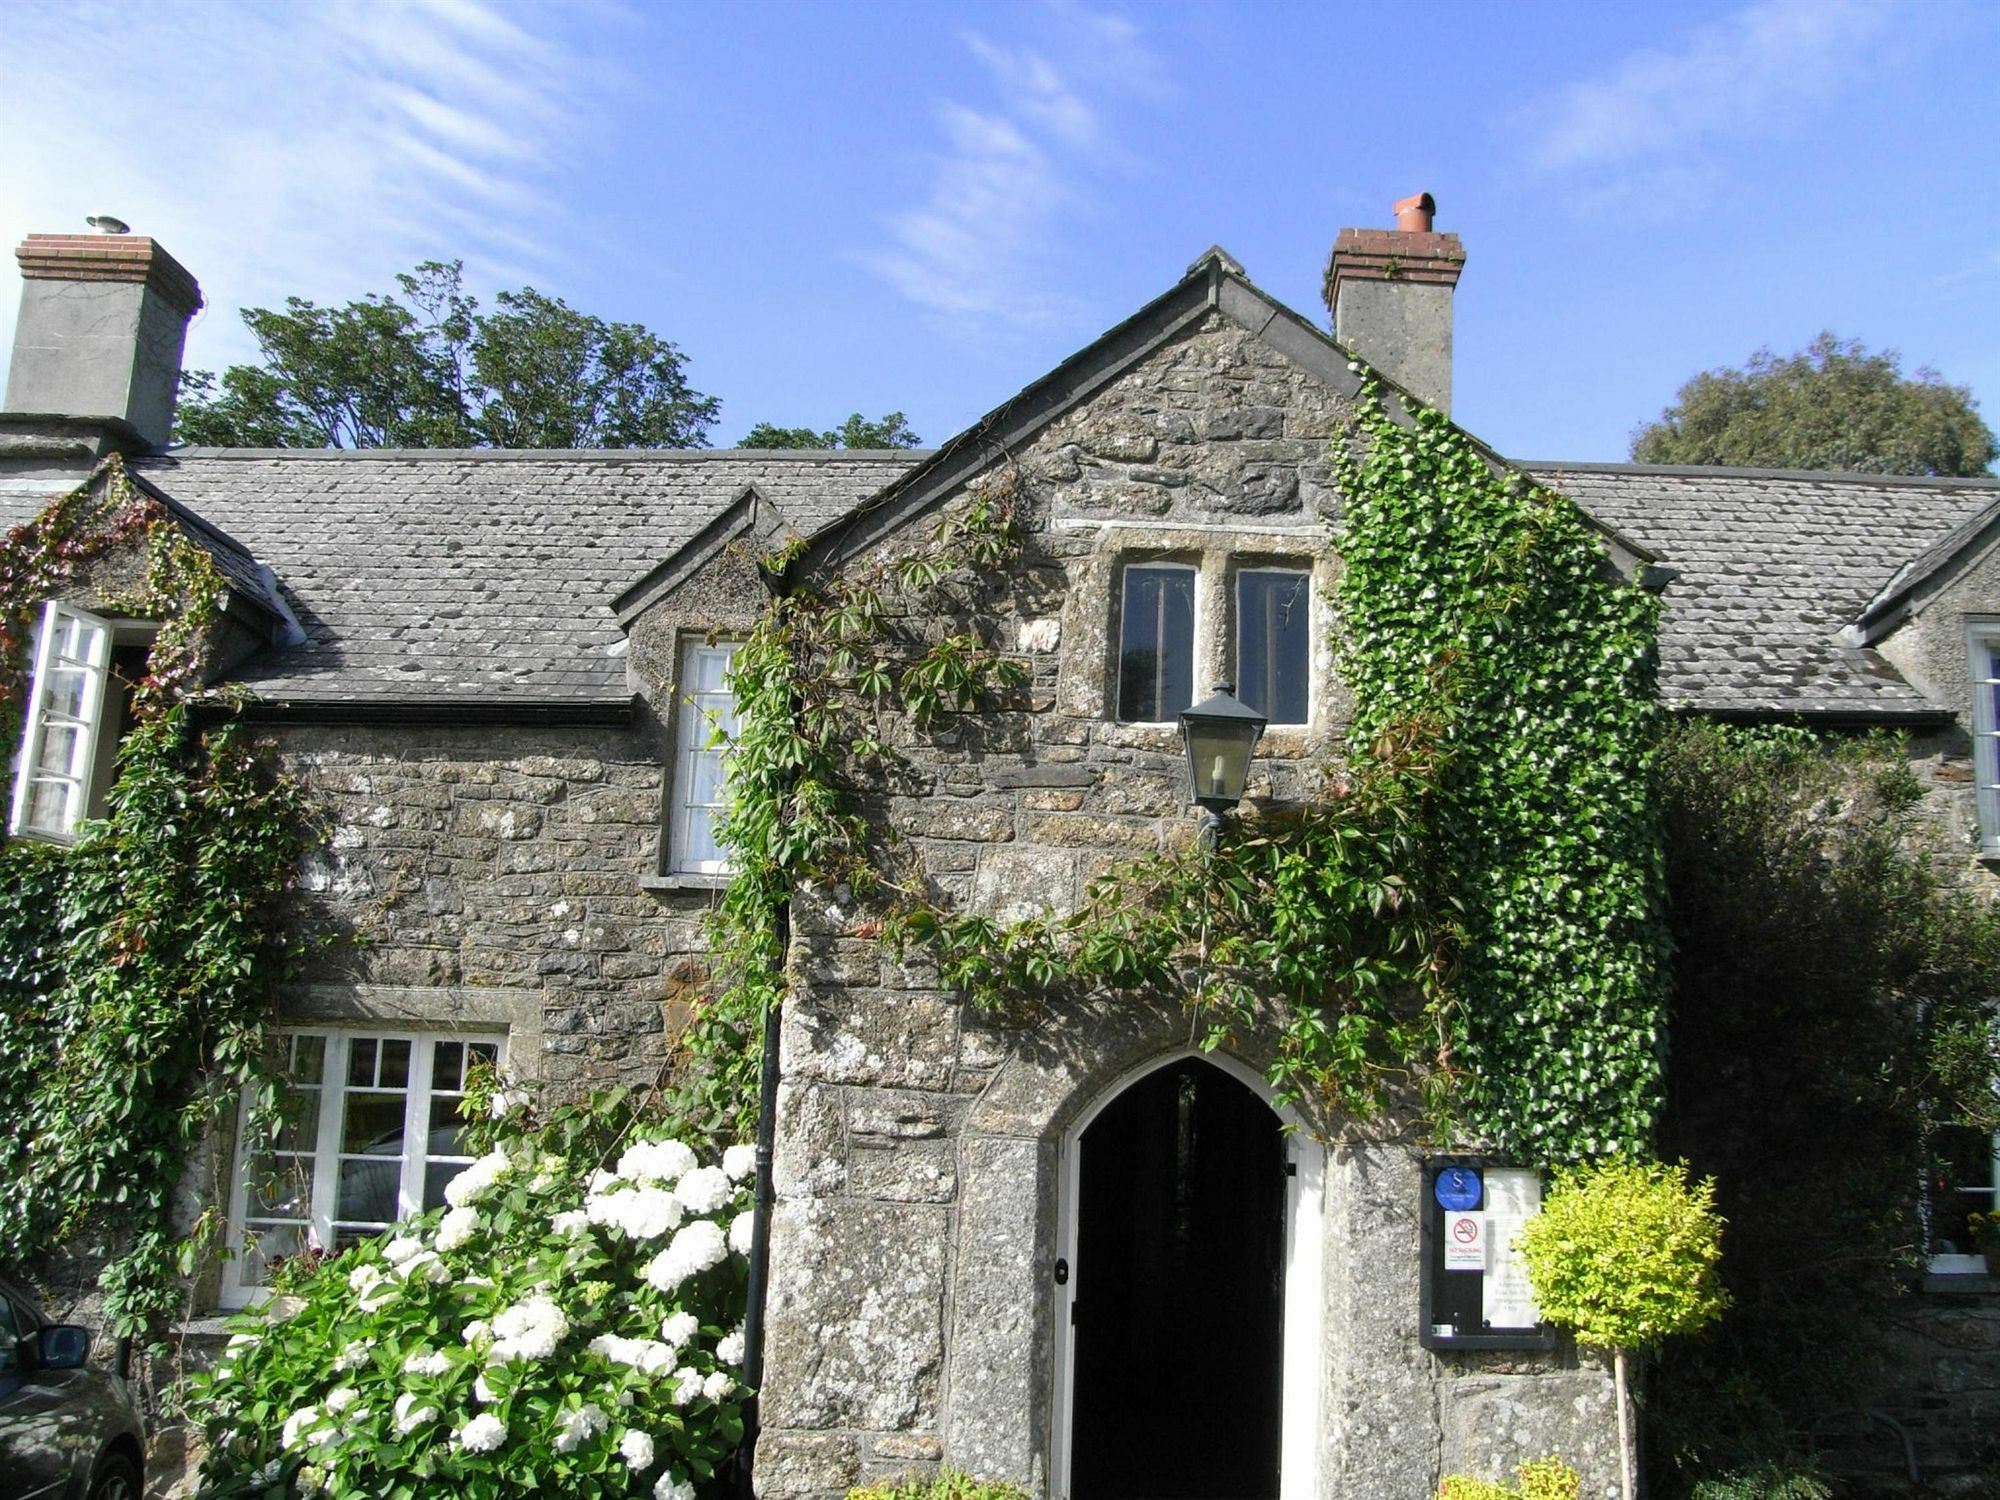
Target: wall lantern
x: 1219, y: 733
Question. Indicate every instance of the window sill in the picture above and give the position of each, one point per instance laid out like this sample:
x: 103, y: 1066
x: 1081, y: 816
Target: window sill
x: 685, y: 881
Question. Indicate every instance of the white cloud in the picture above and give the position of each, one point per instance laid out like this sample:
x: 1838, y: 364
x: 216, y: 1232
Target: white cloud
x: 1765, y: 71
x: 1010, y: 177
x: 279, y: 149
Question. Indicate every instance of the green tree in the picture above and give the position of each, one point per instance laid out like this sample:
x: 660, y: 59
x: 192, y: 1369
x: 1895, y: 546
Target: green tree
x: 1626, y: 1254
x: 892, y: 431
x: 1831, y: 406
x: 428, y: 369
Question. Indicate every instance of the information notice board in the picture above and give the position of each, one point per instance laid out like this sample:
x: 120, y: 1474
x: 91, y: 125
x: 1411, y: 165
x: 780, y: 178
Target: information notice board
x: 1475, y: 1290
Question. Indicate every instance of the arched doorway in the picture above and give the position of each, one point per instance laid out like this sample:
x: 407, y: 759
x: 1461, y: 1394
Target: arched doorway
x: 1177, y: 1236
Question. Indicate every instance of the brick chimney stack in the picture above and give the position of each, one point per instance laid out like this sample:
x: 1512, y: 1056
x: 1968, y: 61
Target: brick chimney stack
x: 1390, y: 290
x: 97, y: 350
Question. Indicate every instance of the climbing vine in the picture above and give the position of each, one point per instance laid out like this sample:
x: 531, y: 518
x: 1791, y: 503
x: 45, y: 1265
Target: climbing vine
x: 136, y: 964
x: 1468, y: 916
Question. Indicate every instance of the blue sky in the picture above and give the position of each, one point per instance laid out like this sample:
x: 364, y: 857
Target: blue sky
x: 924, y: 206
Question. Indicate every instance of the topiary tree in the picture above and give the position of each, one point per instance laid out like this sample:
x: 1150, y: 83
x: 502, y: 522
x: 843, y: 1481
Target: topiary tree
x: 1625, y: 1253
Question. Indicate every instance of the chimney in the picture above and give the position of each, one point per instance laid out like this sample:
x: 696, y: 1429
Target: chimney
x: 1389, y: 291
x: 97, y: 350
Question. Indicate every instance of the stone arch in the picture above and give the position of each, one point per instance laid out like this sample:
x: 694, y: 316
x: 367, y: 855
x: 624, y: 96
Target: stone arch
x: 1001, y: 1377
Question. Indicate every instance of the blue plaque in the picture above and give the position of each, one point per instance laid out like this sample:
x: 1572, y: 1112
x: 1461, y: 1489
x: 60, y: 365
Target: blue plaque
x: 1457, y: 1189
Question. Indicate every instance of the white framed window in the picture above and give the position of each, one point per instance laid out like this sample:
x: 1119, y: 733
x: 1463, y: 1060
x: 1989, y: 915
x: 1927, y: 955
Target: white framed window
x: 1982, y: 640
x: 1964, y: 1180
x: 59, y: 765
x: 1156, y: 642
x: 1274, y: 642
x: 368, y: 1132
x: 704, y: 729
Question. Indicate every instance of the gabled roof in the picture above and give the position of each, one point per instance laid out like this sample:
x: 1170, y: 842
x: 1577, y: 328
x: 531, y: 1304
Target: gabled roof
x: 1215, y: 282
x: 1771, y: 565
x: 1912, y: 585
x: 476, y: 581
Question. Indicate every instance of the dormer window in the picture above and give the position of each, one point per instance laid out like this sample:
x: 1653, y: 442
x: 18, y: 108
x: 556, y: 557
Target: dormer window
x: 1983, y: 652
x: 707, y: 725
x: 65, y: 746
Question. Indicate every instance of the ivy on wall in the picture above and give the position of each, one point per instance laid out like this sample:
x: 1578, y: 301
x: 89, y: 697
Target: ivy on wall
x: 138, y: 964
x: 1469, y: 917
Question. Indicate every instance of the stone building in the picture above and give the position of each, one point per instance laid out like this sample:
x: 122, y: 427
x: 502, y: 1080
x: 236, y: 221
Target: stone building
x: 499, y: 670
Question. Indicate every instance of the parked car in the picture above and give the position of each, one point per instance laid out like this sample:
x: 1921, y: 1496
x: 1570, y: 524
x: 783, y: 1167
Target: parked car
x: 68, y: 1430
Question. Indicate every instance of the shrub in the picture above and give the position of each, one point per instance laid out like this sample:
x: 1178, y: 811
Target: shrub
x: 1537, y: 1479
x: 556, y: 1329
x: 1768, y: 1482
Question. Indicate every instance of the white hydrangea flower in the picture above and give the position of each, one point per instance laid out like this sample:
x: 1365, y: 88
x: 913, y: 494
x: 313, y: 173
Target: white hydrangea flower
x: 670, y: 1486
x: 730, y: 1349
x: 704, y: 1190
x: 482, y: 1434
x: 312, y: 1480
x: 471, y: 1184
x: 636, y: 1448
x: 578, y: 1427
x: 570, y: 1221
x: 481, y: 1391
x: 505, y: 1101
x: 687, y: 1385
x: 743, y: 1232
x: 456, y: 1227
x: 297, y: 1424
x: 238, y: 1342
x: 354, y: 1355
x: 739, y: 1162
x: 476, y: 1331
x: 655, y: 1161
x: 695, y: 1249
x: 601, y: 1181
x: 409, y: 1420
x: 530, y: 1329
x: 717, y: 1384
x: 427, y: 1362
x: 361, y: 1278
x: 338, y: 1401
x: 647, y: 1356
x: 643, y: 1213
x: 680, y: 1327
x: 401, y: 1248
x: 425, y: 1266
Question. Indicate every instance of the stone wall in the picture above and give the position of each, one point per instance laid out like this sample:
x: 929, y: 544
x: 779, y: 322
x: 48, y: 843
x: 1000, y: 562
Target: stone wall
x: 912, y: 1310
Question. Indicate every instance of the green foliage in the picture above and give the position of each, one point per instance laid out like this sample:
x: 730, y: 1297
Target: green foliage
x: 805, y: 682
x: 569, y: 1326
x: 891, y: 431
x: 947, y: 1484
x: 1626, y: 1253
x: 1478, y: 606
x: 1537, y: 1479
x: 1831, y: 406
x: 1832, y: 1001
x: 137, y: 965
x: 1766, y: 1482
x: 429, y: 370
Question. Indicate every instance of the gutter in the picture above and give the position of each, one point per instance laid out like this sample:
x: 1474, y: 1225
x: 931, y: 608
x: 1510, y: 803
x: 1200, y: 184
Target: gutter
x: 606, y: 712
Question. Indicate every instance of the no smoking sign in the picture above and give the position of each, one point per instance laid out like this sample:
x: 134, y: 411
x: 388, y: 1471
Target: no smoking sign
x: 1465, y: 1242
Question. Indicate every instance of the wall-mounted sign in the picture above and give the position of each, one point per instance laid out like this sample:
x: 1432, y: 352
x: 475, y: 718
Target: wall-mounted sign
x: 1475, y: 1290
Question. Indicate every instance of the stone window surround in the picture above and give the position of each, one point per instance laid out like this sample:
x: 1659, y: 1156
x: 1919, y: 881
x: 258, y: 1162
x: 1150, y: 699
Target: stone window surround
x: 1217, y: 553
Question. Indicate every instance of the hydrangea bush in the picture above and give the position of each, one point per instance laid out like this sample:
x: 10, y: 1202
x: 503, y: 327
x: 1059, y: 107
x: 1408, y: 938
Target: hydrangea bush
x: 569, y: 1323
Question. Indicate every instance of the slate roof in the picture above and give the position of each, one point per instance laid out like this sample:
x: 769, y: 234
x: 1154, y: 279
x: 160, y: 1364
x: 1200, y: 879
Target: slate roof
x: 1772, y: 564
x: 484, y: 577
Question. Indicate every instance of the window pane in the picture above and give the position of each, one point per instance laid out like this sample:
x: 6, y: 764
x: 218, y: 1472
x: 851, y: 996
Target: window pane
x: 59, y: 750
x: 487, y: 1053
x: 1156, y: 644
x: 447, y: 1130
x: 65, y: 692
x: 1273, y: 648
x: 436, y: 1178
x: 368, y: 1189
x: 281, y: 1187
x: 49, y: 804
x: 374, y: 1124
x: 448, y: 1066
x: 395, y: 1072
x: 298, y: 1120
x: 308, y: 1058
x: 265, y: 1243
x: 361, y: 1061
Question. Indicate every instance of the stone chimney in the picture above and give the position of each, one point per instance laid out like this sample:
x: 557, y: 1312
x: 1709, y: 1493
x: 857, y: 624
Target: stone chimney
x: 1389, y: 291
x: 97, y: 350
